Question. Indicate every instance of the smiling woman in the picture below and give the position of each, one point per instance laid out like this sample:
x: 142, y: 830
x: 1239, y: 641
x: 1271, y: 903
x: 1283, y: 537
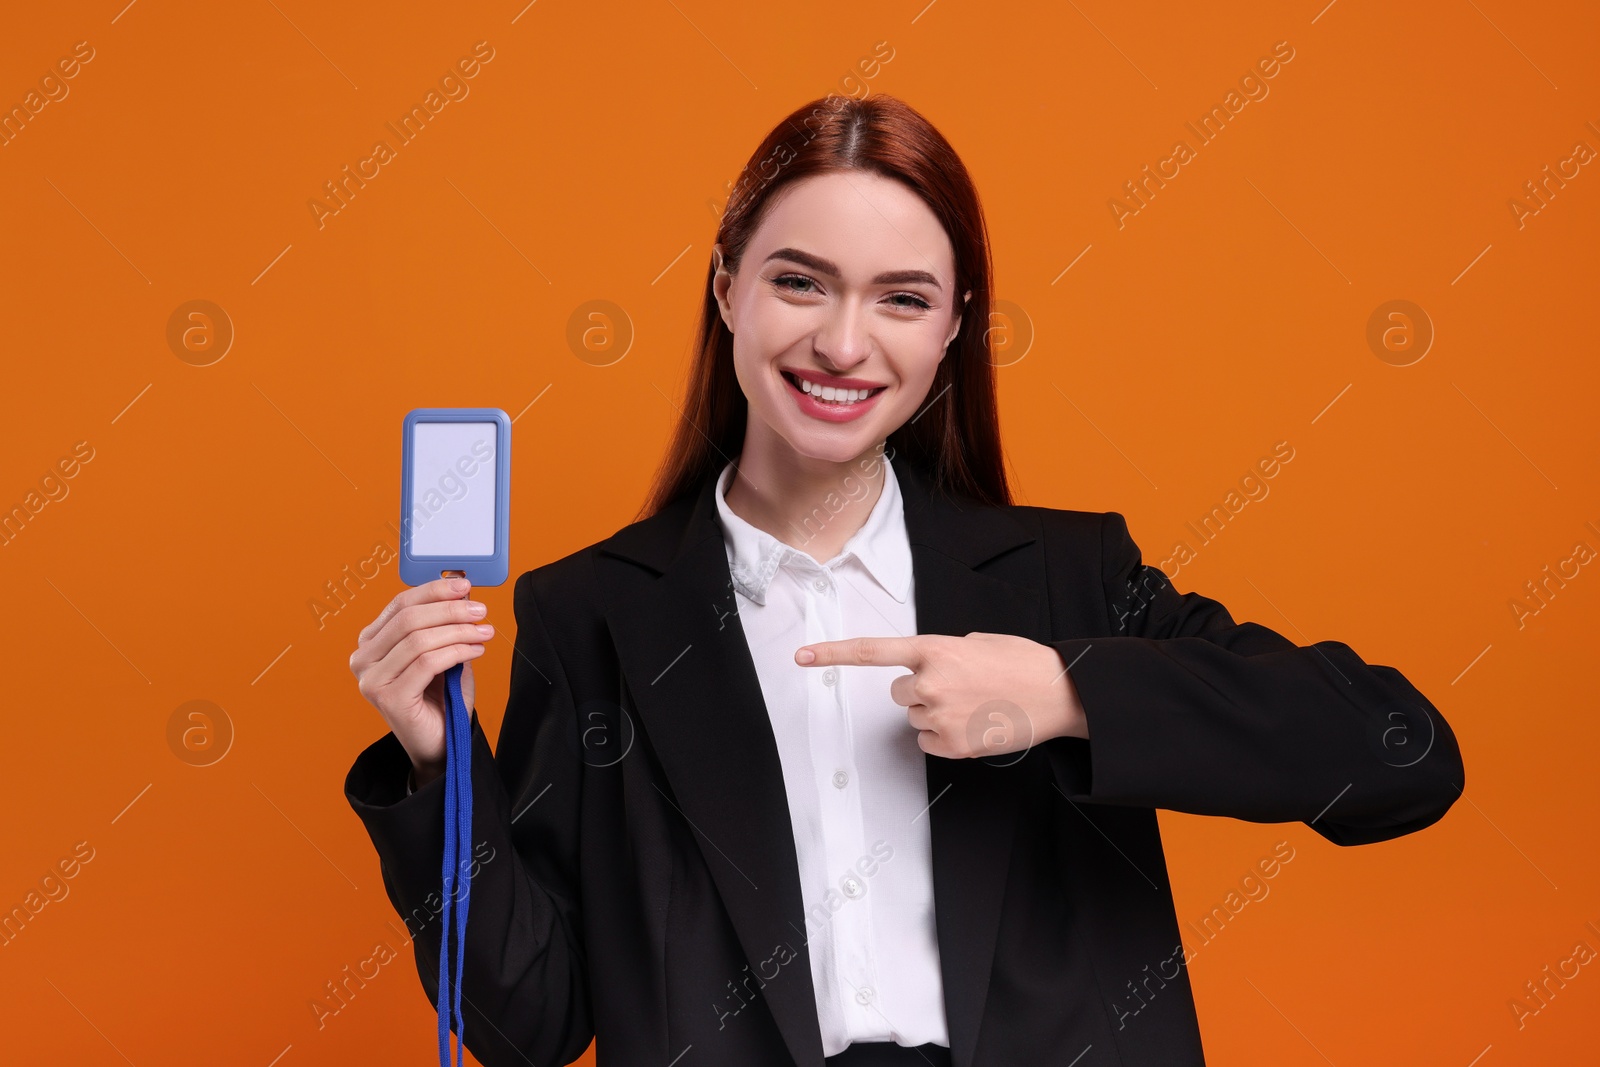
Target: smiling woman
x: 830, y: 639
x: 855, y: 268
x: 832, y: 359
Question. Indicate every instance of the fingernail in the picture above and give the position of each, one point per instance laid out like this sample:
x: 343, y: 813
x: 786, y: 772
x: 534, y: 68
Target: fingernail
x: 477, y: 608
x: 460, y: 585
x: 804, y: 656
x: 487, y: 631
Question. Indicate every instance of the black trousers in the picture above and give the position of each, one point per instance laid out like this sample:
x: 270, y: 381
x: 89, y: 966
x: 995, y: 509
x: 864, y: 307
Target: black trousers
x: 889, y: 1054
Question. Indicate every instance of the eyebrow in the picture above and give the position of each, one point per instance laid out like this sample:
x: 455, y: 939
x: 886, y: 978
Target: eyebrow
x: 827, y: 266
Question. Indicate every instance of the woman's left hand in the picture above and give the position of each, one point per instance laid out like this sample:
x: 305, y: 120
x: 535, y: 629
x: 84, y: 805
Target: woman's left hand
x: 978, y: 695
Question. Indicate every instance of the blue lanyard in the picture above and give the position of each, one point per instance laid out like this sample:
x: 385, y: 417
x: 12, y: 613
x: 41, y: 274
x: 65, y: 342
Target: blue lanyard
x: 457, y: 849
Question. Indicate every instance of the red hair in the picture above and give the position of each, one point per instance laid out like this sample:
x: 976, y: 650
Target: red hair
x: 955, y: 438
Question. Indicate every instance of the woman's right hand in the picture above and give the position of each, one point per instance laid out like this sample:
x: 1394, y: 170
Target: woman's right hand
x: 402, y: 655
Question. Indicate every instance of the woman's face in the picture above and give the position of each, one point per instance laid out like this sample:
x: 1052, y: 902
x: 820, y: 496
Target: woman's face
x: 847, y: 284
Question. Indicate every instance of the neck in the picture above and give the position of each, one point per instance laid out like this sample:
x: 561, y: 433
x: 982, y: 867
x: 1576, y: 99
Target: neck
x: 810, y: 504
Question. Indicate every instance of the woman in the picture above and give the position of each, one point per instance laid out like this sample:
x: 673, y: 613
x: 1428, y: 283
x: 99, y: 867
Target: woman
x: 837, y: 755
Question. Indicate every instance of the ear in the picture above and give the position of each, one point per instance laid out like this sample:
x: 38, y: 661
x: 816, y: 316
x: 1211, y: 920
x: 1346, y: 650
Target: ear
x: 955, y: 328
x: 720, y: 283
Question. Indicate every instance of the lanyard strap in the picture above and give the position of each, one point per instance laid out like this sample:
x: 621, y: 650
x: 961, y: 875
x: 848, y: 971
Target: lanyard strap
x: 457, y: 872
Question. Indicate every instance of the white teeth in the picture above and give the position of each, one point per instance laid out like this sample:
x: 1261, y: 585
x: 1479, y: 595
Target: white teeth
x: 829, y: 394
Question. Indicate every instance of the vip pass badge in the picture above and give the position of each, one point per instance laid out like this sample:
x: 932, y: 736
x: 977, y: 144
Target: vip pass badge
x: 455, y: 521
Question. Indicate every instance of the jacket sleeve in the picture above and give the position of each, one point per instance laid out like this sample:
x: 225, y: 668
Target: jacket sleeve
x: 524, y: 989
x: 1191, y: 711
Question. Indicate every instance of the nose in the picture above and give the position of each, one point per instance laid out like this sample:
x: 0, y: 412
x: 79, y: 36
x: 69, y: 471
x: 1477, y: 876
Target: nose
x: 844, y: 340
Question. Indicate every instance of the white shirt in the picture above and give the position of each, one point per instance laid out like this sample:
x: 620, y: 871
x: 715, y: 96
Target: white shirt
x: 855, y: 777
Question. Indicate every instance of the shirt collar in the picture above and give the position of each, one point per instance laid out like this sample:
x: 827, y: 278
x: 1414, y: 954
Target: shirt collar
x: 881, y: 545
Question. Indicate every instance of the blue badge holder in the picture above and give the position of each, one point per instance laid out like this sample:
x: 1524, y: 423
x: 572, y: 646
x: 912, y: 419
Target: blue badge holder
x: 455, y: 495
x: 455, y: 520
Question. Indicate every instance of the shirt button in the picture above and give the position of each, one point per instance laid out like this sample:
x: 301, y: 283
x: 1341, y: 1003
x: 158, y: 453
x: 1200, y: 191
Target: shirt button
x: 852, y: 889
x: 864, y: 995
x: 821, y: 585
x: 841, y: 779
x: 829, y: 676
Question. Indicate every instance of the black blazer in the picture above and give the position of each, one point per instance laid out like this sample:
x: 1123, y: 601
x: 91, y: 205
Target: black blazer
x: 637, y: 880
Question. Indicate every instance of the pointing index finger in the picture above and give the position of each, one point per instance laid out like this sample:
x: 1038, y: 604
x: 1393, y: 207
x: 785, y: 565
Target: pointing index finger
x: 862, y: 651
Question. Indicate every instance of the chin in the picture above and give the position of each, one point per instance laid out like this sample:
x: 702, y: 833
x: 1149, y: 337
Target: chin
x: 833, y: 452
x: 839, y: 446
x: 823, y: 447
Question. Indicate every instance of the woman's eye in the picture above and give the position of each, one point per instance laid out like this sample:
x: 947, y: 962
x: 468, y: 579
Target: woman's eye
x: 781, y: 281
x: 916, y: 301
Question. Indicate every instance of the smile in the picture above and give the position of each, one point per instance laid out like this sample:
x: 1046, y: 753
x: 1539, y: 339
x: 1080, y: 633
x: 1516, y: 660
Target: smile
x: 829, y: 403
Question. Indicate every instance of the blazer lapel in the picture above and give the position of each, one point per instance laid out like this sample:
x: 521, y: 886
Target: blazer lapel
x: 688, y: 669
x: 973, y: 802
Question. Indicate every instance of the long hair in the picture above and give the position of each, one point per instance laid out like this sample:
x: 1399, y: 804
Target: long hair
x: 954, y: 440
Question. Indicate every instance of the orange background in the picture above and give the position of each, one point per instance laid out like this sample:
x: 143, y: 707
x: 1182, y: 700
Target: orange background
x: 587, y: 163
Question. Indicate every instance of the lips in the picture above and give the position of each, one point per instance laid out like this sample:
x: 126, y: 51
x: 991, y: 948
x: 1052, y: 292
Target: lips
x: 826, y: 410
